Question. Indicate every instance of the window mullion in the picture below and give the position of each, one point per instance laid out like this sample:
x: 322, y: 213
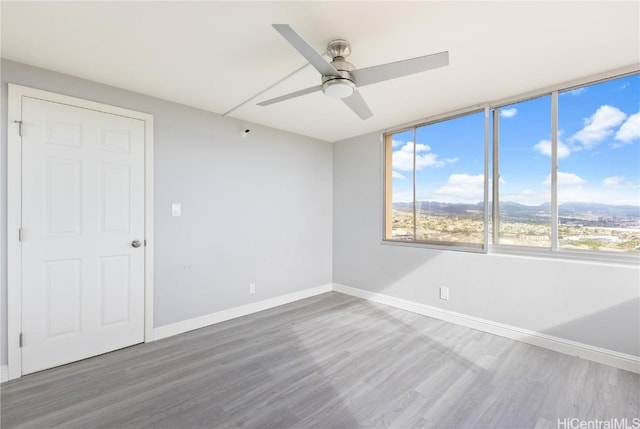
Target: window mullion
x: 415, y: 215
x: 554, y: 170
x: 486, y: 177
x: 496, y: 178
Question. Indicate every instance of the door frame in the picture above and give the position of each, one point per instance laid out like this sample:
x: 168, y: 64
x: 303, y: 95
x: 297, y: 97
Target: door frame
x: 14, y: 211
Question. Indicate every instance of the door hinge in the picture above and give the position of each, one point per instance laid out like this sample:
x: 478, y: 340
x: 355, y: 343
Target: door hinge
x: 145, y: 243
x: 20, y: 340
x: 19, y: 127
x: 20, y: 234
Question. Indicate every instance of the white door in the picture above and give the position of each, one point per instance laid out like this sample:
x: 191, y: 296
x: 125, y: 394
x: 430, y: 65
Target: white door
x: 82, y: 210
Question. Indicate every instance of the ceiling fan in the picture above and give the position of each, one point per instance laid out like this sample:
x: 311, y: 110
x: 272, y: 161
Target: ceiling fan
x: 340, y: 79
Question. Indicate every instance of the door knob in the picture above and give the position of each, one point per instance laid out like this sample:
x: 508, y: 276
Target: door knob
x: 136, y: 243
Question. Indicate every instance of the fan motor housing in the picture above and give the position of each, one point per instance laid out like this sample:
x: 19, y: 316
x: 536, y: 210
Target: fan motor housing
x: 342, y: 85
x: 339, y: 49
x: 344, y: 68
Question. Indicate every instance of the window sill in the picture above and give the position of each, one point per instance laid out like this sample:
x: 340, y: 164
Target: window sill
x: 586, y: 256
x: 625, y: 259
x: 456, y: 247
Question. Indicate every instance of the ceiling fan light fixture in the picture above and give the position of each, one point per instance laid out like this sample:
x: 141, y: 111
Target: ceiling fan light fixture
x: 339, y: 88
x: 339, y: 76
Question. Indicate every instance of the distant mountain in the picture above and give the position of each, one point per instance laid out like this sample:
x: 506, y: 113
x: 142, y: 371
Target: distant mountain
x: 435, y: 208
x: 516, y: 211
x: 442, y: 208
x: 599, y: 209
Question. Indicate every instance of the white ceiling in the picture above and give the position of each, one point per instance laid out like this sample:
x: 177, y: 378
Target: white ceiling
x: 215, y: 55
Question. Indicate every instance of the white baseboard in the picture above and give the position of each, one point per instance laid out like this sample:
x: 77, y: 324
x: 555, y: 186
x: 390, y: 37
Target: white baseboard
x: 232, y: 313
x: 4, y: 373
x: 573, y: 348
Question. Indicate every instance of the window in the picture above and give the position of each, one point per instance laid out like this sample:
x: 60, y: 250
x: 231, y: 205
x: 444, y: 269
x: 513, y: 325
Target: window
x: 564, y: 174
x: 523, y: 198
x: 400, y: 223
x: 435, y: 176
x: 599, y: 166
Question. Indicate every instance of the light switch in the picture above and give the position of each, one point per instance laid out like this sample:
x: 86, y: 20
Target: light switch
x: 176, y: 210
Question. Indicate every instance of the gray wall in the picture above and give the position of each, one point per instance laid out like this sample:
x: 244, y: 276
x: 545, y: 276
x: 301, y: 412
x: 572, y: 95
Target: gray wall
x: 254, y: 210
x: 593, y: 303
x: 259, y: 209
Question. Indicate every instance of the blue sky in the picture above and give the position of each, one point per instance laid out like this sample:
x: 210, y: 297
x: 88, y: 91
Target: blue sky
x: 598, y: 150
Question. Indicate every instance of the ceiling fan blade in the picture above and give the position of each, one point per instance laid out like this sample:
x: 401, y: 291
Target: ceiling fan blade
x: 314, y: 58
x: 382, y: 72
x: 291, y: 95
x: 358, y: 105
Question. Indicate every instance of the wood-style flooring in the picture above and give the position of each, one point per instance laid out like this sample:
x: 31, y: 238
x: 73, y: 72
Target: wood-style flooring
x: 331, y: 361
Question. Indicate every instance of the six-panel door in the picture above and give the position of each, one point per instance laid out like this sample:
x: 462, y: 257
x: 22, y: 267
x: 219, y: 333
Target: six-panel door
x: 82, y: 207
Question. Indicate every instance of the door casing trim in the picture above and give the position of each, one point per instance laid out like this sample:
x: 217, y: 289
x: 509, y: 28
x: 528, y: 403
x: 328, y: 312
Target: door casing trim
x: 14, y: 211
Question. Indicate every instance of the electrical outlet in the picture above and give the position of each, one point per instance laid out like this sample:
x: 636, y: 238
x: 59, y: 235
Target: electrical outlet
x: 252, y: 288
x: 444, y: 293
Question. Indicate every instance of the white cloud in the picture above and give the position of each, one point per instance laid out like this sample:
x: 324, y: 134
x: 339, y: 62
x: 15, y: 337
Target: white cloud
x: 615, y: 182
x: 544, y: 147
x: 397, y: 175
x: 428, y: 160
x: 563, y: 150
x: 577, y: 91
x: 569, y: 179
x: 408, y: 147
x: 599, y: 126
x: 403, y: 158
x: 508, y: 113
x: 402, y: 197
x: 612, y: 181
x: 527, y: 196
x: 462, y: 188
x: 629, y: 131
x: 566, y: 179
x: 528, y: 192
x: 610, y: 190
x: 396, y: 143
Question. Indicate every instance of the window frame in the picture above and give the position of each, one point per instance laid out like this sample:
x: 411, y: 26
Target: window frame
x: 387, y: 151
x: 490, y: 138
x: 553, y: 172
